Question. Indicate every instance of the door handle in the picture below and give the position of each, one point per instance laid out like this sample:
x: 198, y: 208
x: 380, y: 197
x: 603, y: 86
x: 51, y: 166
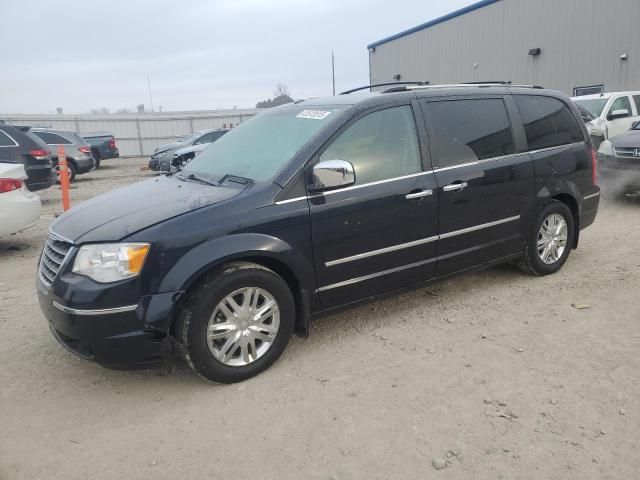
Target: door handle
x: 420, y: 194
x: 455, y: 187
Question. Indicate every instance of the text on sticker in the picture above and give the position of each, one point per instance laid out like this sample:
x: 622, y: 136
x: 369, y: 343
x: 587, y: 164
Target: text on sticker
x: 313, y: 114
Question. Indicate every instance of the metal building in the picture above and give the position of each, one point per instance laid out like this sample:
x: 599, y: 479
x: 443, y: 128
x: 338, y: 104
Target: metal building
x: 577, y: 47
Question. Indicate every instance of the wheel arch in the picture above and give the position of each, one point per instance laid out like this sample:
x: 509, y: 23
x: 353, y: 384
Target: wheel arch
x: 266, y: 251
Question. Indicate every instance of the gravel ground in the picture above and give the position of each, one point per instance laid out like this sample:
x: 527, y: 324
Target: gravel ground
x: 485, y: 376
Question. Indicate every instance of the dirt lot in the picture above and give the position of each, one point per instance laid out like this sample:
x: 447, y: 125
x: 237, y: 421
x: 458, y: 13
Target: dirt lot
x: 491, y: 375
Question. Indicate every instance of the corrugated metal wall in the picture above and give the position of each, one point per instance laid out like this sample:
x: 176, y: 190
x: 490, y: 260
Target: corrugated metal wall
x: 581, y: 42
x: 137, y: 135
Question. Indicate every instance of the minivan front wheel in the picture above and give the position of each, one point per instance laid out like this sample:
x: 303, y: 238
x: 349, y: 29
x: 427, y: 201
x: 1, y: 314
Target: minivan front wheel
x: 550, y: 240
x: 236, y: 322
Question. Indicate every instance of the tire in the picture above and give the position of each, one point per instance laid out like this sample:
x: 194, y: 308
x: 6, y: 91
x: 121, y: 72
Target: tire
x: 96, y: 158
x: 218, y: 360
x: 533, y: 259
x: 71, y: 169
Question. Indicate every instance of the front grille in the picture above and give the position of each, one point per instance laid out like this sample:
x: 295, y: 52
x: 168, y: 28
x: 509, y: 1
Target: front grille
x: 54, y: 254
x: 627, y: 152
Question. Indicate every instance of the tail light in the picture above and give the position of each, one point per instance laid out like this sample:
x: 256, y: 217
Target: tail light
x: 9, y: 184
x: 40, y: 154
x: 594, y: 166
x: 85, y: 149
x: 112, y: 143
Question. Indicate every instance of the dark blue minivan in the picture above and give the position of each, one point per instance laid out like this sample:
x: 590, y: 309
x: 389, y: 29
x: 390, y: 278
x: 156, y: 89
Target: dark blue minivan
x: 311, y: 207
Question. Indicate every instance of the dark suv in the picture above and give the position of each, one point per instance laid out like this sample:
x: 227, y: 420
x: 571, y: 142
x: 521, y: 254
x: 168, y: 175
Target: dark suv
x: 20, y: 145
x: 311, y: 207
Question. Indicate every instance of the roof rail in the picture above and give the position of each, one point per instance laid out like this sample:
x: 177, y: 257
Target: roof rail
x: 471, y: 84
x: 353, y: 90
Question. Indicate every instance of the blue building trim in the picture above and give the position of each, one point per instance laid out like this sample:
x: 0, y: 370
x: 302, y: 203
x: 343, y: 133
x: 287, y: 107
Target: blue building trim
x: 431, y: 23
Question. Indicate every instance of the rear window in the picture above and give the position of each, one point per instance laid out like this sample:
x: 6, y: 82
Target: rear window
x: 548, y: 122
x: 5, y: 141
x: 469, y: 130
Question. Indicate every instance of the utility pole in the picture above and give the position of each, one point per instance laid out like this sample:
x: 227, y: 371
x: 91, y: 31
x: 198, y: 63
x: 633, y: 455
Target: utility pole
x: 150, y: 97
x: 333, y: 73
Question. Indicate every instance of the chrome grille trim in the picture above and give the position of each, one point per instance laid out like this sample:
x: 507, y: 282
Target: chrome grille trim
x: 55, y: 253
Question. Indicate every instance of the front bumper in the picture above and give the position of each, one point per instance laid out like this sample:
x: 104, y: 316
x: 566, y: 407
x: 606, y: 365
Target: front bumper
x: 119, y: 337
x: 619, y: 173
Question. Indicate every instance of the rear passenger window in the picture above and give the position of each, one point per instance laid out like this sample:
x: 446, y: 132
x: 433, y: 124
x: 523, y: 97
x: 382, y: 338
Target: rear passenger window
x: 466, y: 131
x: 380, y: 146
x: 52, y: 138
x: 5, y: 141
x: 548, y: 122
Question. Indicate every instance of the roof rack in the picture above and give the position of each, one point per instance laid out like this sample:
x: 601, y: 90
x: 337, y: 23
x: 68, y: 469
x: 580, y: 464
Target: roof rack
x: 353, y: 90
x: 469, y: 84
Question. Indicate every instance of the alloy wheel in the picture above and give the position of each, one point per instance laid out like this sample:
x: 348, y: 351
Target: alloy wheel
x: 243, y: 326
x: 552, y: 238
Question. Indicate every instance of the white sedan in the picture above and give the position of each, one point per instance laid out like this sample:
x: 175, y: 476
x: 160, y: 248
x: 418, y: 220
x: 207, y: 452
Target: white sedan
x: 19, y: 208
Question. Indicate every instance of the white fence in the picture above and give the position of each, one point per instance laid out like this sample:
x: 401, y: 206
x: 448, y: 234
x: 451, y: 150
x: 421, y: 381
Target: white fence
x: 137, y: 135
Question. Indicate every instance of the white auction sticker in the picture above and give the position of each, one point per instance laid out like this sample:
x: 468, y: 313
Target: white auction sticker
x: 313, y: 114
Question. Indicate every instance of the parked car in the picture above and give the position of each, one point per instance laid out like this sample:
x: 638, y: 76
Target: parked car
x: 615, y: 112
x: 182, y: 156
x: 20, y: 145
x: 103, y: 146
x: 19, y: 208
x: 619, y: 161
x: 76, y: 149
x: 315, y: 206
x: 162, y: 156
x: 587, y: 118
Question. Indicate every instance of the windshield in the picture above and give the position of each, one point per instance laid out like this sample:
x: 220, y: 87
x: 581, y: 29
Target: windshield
x: 260, y: 147
x: 593, y: 105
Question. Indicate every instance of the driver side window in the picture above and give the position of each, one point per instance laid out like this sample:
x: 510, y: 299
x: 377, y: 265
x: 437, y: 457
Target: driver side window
x: 621, y: 103
x: 381, y: 145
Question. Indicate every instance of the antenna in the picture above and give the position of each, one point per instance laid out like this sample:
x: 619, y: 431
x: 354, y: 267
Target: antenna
x: 333, y: 73
x: 150, y: 97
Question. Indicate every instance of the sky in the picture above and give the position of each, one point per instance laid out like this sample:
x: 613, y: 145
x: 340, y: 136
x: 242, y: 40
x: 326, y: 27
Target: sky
x: 197, y: 55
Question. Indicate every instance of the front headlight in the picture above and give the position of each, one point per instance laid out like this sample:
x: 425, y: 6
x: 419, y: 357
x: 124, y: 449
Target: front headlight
x: 111, y: 262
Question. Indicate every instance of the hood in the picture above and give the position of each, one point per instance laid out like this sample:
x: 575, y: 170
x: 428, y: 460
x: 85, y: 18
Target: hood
x: 167, y: 146
x: 191, y: 149
x: 117, y: 214
x: 628, y: 139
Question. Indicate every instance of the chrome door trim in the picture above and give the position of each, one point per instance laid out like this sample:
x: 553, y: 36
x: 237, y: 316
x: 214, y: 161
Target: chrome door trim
x: 502, y: 157
x: 379, y: 182
x: 423, y: 193
x: 380, y: 251
x: 354, y: 187
x: 482, y: 226
x: 290, y: 200
x: 102, y: 311
x: 374, y: 275
x: 593, y: 195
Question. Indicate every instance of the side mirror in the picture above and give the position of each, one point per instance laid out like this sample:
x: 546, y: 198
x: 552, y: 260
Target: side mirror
x: 619, y: 114
x: 332, y: 174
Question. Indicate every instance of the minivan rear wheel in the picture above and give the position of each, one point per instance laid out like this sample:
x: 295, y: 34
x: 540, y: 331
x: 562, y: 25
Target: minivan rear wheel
x: 550, y: 240
x: 236, y: 323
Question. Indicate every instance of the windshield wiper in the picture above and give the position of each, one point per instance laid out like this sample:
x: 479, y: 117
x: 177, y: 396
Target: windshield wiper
x: 192, y: 176
x: 235, y: 179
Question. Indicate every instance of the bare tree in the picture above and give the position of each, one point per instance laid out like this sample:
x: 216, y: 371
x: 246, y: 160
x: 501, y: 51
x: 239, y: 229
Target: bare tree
x: 281, y: 91
x: 97, y: 111
x: 281, y: 96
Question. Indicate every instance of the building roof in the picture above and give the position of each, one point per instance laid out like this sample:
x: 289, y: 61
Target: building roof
x: 431, y: 23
